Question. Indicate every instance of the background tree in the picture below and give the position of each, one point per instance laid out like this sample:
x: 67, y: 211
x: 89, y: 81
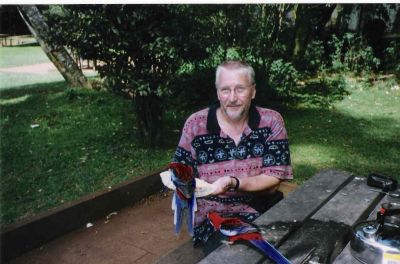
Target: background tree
x: 141, y: 49
x: 56, y: 53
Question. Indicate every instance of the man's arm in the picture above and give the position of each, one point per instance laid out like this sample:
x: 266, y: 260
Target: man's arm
x: 262, y: 184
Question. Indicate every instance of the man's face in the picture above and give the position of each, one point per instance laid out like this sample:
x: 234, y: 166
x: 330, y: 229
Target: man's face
x: 235, y: 91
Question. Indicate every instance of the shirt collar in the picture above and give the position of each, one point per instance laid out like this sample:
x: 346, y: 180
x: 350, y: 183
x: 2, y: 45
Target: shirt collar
x: 212, y: 122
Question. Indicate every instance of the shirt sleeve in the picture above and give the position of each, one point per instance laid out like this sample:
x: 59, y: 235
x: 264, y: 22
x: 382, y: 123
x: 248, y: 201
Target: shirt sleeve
x: 276, y: 159
x: 185, y: 153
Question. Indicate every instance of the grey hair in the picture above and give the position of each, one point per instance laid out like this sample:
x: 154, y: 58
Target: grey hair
x: 235, y: 65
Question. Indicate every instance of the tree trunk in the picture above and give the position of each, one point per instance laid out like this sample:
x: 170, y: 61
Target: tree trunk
x: 56, y: 53
x: 267, y: 44
x: 334, y: 21
x: 301, y: 33
x: 150, y: 114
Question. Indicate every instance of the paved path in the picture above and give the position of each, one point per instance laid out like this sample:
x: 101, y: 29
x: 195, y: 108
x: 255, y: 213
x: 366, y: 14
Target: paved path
x: 39, y: 68
x: 138, y: 234
x: 33, y: 74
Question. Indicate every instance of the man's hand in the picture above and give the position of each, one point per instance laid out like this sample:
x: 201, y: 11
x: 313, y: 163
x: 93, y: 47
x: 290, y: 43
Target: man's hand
x: 222, y: 185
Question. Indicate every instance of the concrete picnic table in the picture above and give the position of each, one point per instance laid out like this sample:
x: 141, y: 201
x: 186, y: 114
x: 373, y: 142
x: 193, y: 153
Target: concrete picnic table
x: 310, y: 225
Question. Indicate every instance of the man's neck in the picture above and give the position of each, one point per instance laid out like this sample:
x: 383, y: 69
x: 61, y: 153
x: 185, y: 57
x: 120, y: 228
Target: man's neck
x: 233, y: 128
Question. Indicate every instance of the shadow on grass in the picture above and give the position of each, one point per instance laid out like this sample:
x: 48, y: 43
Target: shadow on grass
x: 38, y: 88
x: 29, y: 44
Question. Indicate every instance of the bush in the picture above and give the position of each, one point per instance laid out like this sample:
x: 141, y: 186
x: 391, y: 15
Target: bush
x: 359, y: 57
x: 282, y: 80
x: 336, y: 46
x: 193, y: 89
x: 323, y: 91
x: 351, y: 53
x: 141, y: 48
x: 313, y: 59
x: 392, y: 56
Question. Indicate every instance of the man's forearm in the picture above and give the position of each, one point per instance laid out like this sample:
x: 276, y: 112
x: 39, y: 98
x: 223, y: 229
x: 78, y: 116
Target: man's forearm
x: 259, y: 183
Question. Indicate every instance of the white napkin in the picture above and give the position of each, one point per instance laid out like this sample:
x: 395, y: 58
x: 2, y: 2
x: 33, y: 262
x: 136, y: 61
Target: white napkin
x: 203, y: 188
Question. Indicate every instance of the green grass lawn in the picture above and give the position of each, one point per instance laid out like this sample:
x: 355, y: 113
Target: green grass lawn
x: 359, y: 134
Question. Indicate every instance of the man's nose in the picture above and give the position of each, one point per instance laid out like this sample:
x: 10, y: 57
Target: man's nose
x: 233, y: 96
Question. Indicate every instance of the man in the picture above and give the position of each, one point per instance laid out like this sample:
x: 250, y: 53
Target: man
x: 240, y: 148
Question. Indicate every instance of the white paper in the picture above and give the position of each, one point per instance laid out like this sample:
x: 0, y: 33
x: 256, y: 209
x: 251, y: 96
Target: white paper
x: 203, y: 188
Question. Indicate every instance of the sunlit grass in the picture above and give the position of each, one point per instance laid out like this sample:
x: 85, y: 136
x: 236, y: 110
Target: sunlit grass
x: 358, y: 134
x: 14, y: 100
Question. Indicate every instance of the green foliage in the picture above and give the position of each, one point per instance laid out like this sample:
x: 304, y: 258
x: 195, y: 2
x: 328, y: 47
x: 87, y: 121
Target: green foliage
x: 359, y: 57
x: 392, y: 56
x: 283, y: 78
x: 140, y: 48
x: 323, y: 91
x: 336, y: 45
x: 352, y: 53
x: 193, y: 90
x: 153, y: 52
x: 285, y: 85
x: 314, y: 57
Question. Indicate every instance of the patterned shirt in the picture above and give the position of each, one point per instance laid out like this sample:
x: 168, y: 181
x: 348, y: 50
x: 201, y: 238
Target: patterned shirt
x: 262, y: 149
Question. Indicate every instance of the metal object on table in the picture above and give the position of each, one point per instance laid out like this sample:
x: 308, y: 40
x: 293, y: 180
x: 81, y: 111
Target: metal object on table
x: 385, y: 183
x: 378, y: 241
x: 395, y: 194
